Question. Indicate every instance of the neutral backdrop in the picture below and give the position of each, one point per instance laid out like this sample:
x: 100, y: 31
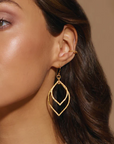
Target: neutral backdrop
x: 101, y: 17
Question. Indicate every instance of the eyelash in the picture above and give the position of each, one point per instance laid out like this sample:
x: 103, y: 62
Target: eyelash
x: 2, y: 20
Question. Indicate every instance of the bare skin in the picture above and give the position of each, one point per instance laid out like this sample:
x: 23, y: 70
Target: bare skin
x: 29, y: 57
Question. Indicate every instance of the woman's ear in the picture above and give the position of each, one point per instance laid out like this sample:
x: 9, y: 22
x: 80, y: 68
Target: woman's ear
x: 67, y: 44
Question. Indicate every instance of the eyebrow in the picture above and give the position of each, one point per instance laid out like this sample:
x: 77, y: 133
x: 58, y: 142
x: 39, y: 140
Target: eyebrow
x: 11, y: 1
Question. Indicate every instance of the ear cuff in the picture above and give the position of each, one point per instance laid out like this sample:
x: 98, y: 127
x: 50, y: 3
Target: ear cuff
x: 74, y: 52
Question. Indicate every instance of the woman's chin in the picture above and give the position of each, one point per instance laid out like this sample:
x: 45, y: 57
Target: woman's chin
x: 7, y: 100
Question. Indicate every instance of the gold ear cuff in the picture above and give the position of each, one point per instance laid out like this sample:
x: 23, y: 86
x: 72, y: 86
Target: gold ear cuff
x: 75, y: 52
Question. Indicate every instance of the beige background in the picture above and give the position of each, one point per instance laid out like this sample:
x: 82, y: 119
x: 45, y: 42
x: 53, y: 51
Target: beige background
x: 101, y: 16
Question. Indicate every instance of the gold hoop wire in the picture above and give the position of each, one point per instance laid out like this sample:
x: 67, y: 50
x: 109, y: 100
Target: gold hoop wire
x: 50, y: 94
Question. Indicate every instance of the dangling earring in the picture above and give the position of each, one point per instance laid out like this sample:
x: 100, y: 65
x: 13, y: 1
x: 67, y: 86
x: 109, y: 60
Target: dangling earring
x: 59, y: 103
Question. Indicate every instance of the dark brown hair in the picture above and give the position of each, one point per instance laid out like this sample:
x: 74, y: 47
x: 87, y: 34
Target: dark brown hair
x: 86, y: 121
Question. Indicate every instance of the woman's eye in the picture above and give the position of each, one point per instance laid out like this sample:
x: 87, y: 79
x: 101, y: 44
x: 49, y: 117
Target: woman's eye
x: 4, y: 23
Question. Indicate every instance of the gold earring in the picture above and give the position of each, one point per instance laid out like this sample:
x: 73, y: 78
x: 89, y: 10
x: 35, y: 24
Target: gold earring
x: 75, y: 52
x: 59, y: 103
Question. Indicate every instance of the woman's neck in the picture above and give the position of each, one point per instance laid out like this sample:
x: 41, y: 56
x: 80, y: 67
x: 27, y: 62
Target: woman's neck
x: 28, y: 121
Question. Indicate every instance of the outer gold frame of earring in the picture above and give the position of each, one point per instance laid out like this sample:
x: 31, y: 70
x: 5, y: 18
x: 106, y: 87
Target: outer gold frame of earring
x: 50, y: 94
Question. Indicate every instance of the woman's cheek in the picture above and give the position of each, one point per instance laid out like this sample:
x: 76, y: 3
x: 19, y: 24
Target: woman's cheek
x: 23, y: 68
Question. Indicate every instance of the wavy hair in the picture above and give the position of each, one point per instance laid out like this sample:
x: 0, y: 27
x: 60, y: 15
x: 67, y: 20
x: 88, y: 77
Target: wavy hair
x: 86, y: 121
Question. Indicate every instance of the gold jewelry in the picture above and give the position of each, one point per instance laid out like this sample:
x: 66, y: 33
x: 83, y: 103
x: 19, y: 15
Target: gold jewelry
x: 75, y: 52
x: 59, y: 103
